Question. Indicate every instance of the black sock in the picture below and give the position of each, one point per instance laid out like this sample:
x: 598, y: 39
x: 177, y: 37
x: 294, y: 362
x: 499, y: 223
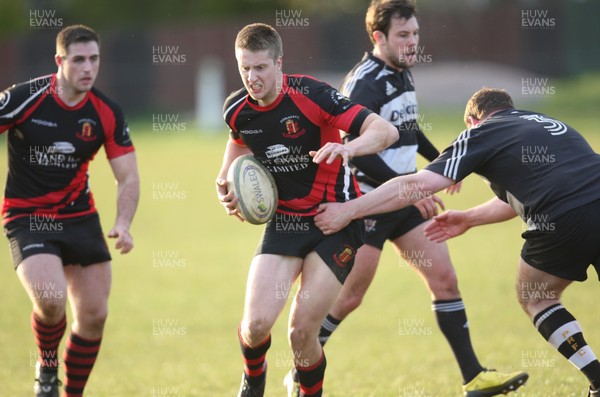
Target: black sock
x: 255, y: 368
x: 329, y: 325
x: 311, y: 378
x: 563, y: 332
x: 452, y: 320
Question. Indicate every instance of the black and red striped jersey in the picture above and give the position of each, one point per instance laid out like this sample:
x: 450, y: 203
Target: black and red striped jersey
x: 50, y: 145
x: 305, y: 116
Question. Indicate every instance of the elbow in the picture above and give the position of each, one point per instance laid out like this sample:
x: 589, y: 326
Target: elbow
x: 392, y: 135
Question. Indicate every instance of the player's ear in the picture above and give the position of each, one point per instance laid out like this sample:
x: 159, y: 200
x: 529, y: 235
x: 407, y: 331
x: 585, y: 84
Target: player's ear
x: 278, y: 63
x: 472, y: 122
x: 379, y: 37
x: 58, y: 60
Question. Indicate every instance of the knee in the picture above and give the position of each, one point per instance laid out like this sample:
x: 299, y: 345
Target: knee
x: 50, y: 310
x: 300, y: 336
x: 352, y: 300
x: 444, y: 285
x: 254, y: 331
x: 92, y: 319
x: 533, y: 302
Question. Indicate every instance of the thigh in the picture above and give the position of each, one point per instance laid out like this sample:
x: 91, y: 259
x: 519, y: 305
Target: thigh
x: 428, y: 258
x: 89, y: 288
x: 44, y: 280
x: 364, y: 269
x: 270, y: 281
x: 537, y: 289
x: 319, y: 288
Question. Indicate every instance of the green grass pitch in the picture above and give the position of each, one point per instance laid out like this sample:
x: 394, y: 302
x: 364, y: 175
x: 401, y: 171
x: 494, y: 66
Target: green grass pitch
x: 177, y: 298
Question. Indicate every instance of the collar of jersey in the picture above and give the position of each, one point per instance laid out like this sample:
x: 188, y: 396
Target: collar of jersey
x: 60, y: 101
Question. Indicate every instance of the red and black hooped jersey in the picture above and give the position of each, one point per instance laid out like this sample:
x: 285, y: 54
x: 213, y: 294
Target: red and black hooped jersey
x: 50, y: 146
x: 305, y: 116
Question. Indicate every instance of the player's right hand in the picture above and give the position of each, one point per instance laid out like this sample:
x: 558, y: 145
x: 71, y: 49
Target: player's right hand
x: 227, y: 199
x: 447, y: 225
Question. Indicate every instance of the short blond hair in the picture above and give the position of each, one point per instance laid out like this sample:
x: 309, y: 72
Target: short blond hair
x: 258, y: 37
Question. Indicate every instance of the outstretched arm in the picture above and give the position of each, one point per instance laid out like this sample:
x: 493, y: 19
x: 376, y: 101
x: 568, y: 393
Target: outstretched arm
x: 397, y: 193
x: 128, y: 193
x: 454, y: 223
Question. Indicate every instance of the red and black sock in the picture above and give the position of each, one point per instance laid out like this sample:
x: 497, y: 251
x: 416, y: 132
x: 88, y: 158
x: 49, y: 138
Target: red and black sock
x: 47, y: 339
x: 79, y: 357
x: 255, y: 368
x: 311, y: 378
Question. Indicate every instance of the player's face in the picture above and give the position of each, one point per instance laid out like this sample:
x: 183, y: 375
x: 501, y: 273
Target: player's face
x: 399, y: 48
x: 79, y: 68
x: 261, y: 74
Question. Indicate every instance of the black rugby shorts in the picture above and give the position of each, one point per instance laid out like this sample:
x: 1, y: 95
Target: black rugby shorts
x: 391, y: 225
x: 567, y: 246
x: 294, y: 235
x: 76, y: 240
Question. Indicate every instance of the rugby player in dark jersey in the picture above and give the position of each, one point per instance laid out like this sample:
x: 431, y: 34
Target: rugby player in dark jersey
x: 382, y: 81
x: 55, y: 126
x: 291, y: 124
x: 557, y: 195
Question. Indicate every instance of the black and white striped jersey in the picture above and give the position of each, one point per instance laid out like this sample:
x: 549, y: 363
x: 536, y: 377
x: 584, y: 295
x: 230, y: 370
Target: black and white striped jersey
x: 537, y: 164
x: 391, y: 94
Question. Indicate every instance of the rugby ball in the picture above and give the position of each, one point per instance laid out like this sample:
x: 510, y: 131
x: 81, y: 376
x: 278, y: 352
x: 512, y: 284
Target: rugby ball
x: 255, y: 189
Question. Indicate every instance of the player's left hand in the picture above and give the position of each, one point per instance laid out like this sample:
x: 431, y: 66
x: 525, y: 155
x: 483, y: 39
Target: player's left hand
x: 332, y: 217
x: 124, y: 240
x: 446, y: 226
x: 428, y: 206
x: 330, y: 151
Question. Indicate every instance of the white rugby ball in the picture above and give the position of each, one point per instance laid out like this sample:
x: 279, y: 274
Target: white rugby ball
x: 254, y: 188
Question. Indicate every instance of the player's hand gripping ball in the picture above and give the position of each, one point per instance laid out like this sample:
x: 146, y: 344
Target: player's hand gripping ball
x: 255, y: 189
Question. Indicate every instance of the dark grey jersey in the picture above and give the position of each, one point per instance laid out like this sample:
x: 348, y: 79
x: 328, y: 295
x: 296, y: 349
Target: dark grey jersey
x: 537, y: 164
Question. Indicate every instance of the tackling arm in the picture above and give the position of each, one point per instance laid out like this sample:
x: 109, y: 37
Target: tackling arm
x: 396, y: 193
x: 454, y: 223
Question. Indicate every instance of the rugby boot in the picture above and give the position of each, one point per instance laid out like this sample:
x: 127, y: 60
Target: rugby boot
x: 247, y: 390
x: 46, y: 382
x: 489, y: 383
x: 292, y: 383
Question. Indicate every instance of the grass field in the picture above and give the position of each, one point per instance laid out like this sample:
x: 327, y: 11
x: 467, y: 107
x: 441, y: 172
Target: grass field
x: 177, y: 298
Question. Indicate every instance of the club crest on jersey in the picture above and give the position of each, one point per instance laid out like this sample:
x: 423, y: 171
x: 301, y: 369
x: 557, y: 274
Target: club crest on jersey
x: 87, y: 132
x: 293, y: 129
x: 344, y: 257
